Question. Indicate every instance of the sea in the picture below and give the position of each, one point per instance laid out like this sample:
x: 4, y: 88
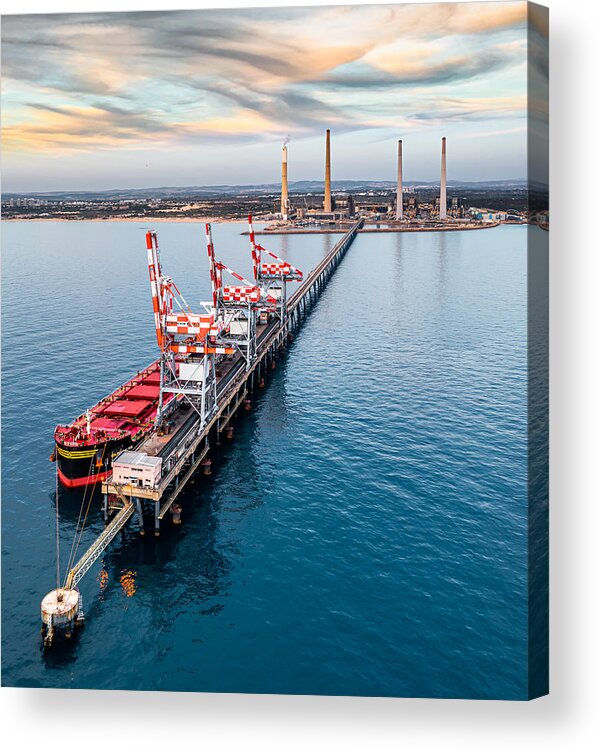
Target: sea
x: 365, y: 533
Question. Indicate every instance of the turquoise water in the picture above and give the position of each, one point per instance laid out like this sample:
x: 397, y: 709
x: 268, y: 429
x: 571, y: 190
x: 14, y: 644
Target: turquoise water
x: 366, y: 531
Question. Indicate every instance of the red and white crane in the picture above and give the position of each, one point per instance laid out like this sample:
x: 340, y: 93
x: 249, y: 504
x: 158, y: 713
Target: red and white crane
x: 188, y: 341
x: 191, y: 342
x: 236, y: 306
x: 272, y: 276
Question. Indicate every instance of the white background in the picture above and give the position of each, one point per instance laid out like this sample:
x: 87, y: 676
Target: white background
x: 567, y: 719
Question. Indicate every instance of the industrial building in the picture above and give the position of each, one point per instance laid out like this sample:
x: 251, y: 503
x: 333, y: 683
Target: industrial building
x: 402, y: 206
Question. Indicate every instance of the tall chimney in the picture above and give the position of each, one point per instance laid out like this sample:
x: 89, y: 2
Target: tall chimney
x: 399, y: 207
x: 443, y: 182
x: 327, y: 201
x: 284, y: 185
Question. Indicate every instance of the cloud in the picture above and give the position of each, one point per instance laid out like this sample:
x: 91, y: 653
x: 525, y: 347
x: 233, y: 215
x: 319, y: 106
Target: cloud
x: 488, y: 108
x: 499, y: 132
x: 88, y: 81
x: 72, y: 129
x: 390, y: 71
x: 304, y: 111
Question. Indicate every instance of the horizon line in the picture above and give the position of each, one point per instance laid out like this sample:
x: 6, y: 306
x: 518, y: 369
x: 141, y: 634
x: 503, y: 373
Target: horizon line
x: 254, y: 185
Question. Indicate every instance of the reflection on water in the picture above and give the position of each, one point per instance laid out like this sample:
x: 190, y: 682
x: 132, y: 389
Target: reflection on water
x: 127, y: 580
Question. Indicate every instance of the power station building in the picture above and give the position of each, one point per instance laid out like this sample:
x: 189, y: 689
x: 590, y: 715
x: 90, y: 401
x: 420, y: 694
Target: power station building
x: 402, y: 206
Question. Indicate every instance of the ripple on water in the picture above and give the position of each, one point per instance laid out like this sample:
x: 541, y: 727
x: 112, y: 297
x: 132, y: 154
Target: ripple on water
x: 366, y: 531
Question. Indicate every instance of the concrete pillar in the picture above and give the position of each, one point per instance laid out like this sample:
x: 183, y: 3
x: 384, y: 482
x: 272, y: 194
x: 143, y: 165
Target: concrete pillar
x: 399, y: 207
x: 327, y: 200
x: 140, y: 513
x: 443, y: 182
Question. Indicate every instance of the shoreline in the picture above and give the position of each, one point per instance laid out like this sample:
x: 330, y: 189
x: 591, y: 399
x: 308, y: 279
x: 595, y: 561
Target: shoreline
x: 325, y: 230
x: 201, y: 220
x: 278, y: 231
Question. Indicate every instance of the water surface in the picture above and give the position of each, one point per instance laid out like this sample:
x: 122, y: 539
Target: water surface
x: 365, y: 533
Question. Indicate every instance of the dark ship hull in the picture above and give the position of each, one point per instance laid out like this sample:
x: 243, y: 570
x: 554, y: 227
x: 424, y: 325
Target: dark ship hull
x: 86, y: 447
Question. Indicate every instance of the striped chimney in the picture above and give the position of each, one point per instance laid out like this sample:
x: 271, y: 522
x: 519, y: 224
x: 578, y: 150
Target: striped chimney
x: 284, y: 184
x: 399, y: 207
x: 327, y: 201
x: 443, y: 181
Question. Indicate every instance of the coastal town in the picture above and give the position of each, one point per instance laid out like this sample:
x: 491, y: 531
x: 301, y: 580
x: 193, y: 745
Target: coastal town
x: 302, y: 205
x: 503, y: 204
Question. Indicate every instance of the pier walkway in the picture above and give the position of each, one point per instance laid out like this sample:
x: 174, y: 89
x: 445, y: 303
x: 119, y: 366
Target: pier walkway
x: 185, y: 441
x: 186, y: 448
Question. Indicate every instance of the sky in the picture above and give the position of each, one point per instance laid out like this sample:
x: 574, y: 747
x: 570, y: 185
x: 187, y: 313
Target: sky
x: 133, y: 100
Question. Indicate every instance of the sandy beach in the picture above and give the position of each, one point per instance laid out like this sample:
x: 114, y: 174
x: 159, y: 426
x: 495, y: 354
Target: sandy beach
x: 153, y: 220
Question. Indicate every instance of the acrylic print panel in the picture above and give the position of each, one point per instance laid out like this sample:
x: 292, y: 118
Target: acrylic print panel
x: 305, y: 453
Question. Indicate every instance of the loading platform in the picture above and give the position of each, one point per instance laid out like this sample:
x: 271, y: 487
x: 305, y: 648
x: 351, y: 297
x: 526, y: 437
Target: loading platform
x: 184, y: 445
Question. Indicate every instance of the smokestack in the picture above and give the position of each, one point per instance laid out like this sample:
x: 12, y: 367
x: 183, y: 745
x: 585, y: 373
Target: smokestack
x: 327, y: 201
x: 443, y: 182
x: 399, y: 206
x: 284, y: 184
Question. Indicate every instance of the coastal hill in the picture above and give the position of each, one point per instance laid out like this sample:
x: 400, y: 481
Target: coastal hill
x: 300, y: 187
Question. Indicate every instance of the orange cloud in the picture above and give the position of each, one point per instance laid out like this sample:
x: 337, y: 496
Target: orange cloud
x: 72, y: 129
x: 108, y: 80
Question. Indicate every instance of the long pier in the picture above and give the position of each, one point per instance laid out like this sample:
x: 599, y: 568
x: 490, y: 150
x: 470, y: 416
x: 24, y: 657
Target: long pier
x: 187, y: 446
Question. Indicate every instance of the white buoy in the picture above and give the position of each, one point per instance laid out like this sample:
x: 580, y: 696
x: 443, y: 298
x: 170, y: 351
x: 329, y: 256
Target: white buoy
x: 59, y: 609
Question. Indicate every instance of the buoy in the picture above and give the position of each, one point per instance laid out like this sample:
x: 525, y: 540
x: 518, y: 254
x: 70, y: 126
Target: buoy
x: 247, y: 405
x: 59, y: 610
x: 52, y: 457
x: 205, y: 465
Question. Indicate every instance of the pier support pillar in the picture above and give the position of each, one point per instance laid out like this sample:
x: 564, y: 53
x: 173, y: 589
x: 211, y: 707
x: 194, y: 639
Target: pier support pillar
x: 105, y: 507
x: 156, y: 519
x: 140, y: 514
